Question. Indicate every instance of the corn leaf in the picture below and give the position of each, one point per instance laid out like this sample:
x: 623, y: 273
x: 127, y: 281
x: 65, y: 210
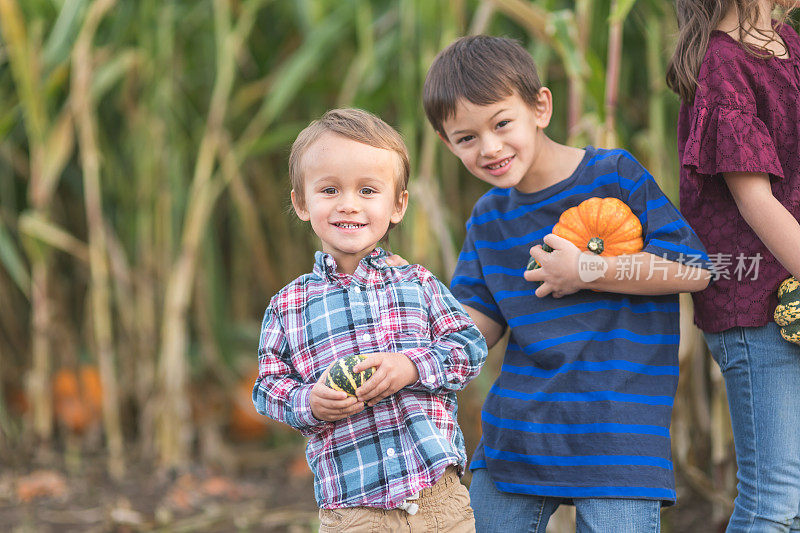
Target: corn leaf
x: 621, y: 10
x: 12, y: 261
x: 64, y: 32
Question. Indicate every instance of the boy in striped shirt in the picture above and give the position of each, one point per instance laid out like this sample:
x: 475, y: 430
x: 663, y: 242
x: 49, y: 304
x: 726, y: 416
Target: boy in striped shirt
x: 581, y: 410
x: 390, y: 458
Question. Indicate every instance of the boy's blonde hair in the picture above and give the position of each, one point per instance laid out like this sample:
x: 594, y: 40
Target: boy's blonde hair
x: 357, y: 125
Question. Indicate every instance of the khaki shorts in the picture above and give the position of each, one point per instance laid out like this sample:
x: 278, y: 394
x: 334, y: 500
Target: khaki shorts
x: 444, y: 507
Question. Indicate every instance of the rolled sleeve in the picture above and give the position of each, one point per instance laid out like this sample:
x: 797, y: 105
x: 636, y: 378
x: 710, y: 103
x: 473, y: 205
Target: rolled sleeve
x: 299, y: 414
x: 457, y: 349
x: 431, y: 373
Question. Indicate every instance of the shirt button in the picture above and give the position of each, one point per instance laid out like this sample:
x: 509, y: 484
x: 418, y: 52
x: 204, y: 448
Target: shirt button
x: 390, y: 452
x: 365, y: 337
x: 430, y: 379
x: 356, y: 289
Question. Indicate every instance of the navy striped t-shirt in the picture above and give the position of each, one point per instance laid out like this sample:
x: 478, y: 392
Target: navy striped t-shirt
x: 582, y: 406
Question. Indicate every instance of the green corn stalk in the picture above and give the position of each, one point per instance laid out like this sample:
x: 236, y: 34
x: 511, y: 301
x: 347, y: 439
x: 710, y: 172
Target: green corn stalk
x: 49, y: 145
x: 83, y: 107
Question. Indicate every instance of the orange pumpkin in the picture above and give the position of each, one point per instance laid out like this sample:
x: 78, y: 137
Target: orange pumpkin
x: 604, y: 226
x: 92, y: 390
x: 245, y: 422
x: 77, y: 398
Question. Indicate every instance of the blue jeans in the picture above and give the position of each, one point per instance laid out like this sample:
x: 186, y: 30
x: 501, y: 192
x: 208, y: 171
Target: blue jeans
x: 762, y: 377
x: 497, y: 511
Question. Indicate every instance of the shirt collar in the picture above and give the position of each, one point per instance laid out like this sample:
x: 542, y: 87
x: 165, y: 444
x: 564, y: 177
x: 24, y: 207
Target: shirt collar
x: 325, y: 267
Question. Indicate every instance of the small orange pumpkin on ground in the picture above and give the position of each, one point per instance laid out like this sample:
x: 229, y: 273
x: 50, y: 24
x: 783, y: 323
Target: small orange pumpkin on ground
x: 245, y: 422
x: 77, y: 398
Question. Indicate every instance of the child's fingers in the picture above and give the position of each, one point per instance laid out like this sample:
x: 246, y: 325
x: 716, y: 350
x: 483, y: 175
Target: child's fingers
x: 556, y: 242
x: 540, y: 256
x: 368, y: 390
x: 351, y: 410
x: 382, y: 390
x: 534, y: 275
x: 385, y: 394
x: 543, y: 290
x: 332, y: 415
x: 337, y: 409
x: 326, y: 393
x: 374, y: 386
x: 340, y: 404
x: 372, y: 361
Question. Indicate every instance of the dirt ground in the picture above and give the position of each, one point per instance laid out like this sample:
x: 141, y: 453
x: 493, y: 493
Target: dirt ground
x: 272, y: 492
x: 269, y: 491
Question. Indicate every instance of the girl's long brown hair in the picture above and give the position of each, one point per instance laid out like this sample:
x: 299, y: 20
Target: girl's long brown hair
x: 696, y: 20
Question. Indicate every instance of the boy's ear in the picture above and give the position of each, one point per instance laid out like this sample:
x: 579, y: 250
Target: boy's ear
x: 400, y: 208
x: 543, y: 108
x: 302, y: 212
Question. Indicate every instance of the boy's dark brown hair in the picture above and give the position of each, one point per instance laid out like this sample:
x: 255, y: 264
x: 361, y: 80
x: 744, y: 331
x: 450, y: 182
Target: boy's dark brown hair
x: 480, y: 69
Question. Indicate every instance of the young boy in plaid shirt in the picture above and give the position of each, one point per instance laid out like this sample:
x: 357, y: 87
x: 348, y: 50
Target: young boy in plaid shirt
x: 390, y: 458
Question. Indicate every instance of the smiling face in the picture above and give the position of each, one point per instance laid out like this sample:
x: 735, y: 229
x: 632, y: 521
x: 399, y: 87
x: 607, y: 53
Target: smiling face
x: 500, y: 143
x: 350, y: 196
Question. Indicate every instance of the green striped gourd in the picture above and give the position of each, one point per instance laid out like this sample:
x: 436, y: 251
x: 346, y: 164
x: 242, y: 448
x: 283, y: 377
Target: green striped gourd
x: 341, y: 376
x: 787, y: 314
x: 533, y: 264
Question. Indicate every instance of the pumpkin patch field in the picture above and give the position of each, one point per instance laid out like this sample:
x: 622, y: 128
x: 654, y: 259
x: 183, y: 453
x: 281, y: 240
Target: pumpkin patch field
x: 146, y: 222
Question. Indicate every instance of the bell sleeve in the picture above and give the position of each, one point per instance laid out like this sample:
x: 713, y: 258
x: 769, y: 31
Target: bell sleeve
x: 725, y: 131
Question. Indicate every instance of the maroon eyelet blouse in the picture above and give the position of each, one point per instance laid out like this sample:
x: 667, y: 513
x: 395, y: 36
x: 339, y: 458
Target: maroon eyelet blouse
x: 745, y: 117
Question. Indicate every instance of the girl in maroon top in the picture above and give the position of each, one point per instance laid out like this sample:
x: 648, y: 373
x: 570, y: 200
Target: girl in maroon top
x: 738, y: 74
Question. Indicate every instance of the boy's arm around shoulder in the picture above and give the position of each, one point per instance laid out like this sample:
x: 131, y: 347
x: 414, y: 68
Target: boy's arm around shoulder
x: 279, y: 391
x: 457, y: 349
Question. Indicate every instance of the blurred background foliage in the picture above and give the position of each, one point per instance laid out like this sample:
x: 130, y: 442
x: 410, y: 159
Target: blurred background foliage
x: 144, y: 213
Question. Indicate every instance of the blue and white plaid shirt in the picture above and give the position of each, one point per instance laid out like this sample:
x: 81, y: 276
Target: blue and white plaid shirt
x: 385, y: 453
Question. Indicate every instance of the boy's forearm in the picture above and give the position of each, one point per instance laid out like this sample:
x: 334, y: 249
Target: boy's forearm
x: 648, y: 274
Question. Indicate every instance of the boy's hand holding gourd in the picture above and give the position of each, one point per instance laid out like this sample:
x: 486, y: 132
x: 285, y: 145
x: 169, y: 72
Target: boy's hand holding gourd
x: 393, y: 371
x: 332, y: 405
x: 559, y: 268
